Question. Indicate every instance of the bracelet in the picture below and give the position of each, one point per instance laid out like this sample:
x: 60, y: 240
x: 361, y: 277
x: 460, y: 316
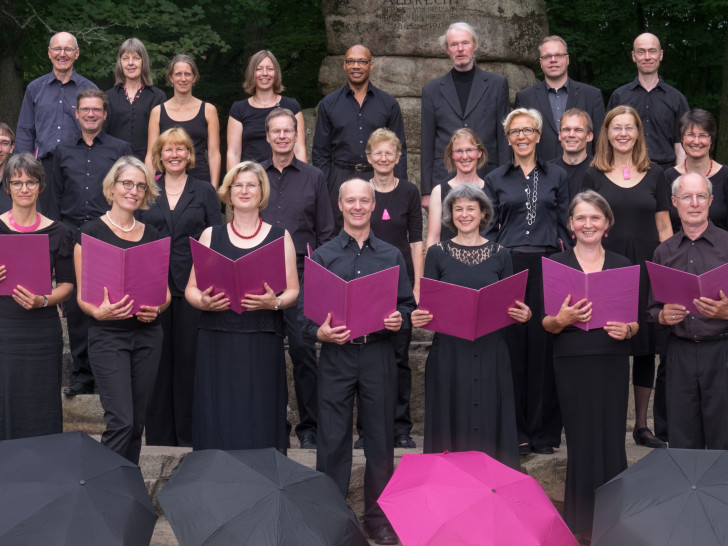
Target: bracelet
x: 45, y: 301
x: 278, y: 305
x: 629, y: 334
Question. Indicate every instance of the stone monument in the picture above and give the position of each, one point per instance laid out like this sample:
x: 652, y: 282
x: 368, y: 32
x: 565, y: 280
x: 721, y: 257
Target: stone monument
x: 403, y: 38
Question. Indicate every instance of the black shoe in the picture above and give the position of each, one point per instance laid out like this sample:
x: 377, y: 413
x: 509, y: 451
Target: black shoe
x: 308, y: 440
x: 405, y: 441
x: 383, y: 534
x: 644, y: 437
x: 79, y: 388
x: 524, y: 449
x: 543, y: 450
x: 359, y: 444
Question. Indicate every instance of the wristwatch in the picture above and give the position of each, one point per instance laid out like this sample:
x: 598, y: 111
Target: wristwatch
x: 278, y: 305
x: 45, y: 301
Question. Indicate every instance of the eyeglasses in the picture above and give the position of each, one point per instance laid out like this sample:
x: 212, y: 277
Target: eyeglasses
x: 30, y: 184
x: 527, y: 131
x: 128, y: 185
x: 5, y: 144
x: 555, y: 56
x: 699, y: 136
x: 640, y: 53
x: 687, y: 199
x: 467, y: 151
x: 88, y: 110
x: 352, y: 62
x: 66, y: 50
x: 240, y: 187
x: 386, y: 155
x: 284, y: 132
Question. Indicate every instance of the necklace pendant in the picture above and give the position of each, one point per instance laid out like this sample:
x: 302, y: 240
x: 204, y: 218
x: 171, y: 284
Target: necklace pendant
x: 626, y: 173
x: 385, y: 215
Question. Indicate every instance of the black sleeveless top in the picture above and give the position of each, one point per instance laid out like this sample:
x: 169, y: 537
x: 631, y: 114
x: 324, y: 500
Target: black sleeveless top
x: 197, y: 129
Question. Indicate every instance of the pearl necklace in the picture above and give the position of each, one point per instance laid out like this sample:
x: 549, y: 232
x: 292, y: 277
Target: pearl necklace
x: 125, y: 230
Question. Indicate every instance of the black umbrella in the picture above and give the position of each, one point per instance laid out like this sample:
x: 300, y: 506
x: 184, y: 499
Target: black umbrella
x: 671, y: 497
x: 69, y: 489
x: 258, y: 497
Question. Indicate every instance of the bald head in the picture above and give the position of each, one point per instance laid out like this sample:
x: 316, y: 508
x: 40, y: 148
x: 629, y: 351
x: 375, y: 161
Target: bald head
x: 358, y: 65
x: 647, y: 54
x: 63, y: 52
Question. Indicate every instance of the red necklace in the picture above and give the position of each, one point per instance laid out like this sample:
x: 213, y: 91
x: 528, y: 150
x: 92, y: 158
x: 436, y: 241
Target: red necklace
x: 23, y: 229
x: 235, y: 231
x: 710, y: 167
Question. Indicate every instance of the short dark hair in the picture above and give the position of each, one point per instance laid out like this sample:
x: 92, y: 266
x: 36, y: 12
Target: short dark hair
x: 697, y: 117
x: 92, y: 94
x: 573, y: 112
x: 6, y: 130
x: 596, y: 200
x: 471, y: 192
x: 24, y: 163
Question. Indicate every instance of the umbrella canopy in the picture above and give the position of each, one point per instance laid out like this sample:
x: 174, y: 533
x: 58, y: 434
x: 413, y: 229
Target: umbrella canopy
x: 468, y: 498
x: 671, y: 497
x: 258, y: 497
x: 69, y: 489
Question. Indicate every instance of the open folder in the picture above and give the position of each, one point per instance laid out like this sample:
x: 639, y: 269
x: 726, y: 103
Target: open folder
x: 361, y: 304
x: 246, y: 275
x: 468, y: 313
x: 614, y: 293
x: 27, y: 263
x: 140, y: 271
x: 674, y: 286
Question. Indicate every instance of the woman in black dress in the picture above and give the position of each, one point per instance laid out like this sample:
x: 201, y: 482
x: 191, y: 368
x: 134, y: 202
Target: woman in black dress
x: 592, y: 370
x: 240, y: 380
x: 469, y: 402
x: 123, y: 349
x: 531, y: 201
x: 464, y: 154
x: 246, y: 138
x: 132, y: 98
x: 31, y: 340
x: 196, y: 117
x: 638, y: 194
x: 185, y: 207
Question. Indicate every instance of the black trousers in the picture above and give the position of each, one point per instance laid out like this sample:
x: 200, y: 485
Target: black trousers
x: 697, y: 393
x: 303, y: 357
x: 344, y: 372
x: 78, y: 323
x: 125, y: 366
x: 538, y: 418
x: 47, y: 203
x: 169, y: 412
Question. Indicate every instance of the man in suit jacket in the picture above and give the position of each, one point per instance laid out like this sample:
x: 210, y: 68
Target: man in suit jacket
x: 464, y: 97
x: 557, y: 94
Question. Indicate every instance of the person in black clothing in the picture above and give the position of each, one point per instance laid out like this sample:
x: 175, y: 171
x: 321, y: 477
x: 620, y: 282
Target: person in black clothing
x: 132, y: 98
x: 123, y: 349
x: 299, y: 203
x: 365, y: 365
x: 79, y: 169
x: 575, y: 134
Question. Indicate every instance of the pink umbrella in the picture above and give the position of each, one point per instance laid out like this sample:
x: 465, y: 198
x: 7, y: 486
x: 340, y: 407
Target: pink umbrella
x: 468, y: 498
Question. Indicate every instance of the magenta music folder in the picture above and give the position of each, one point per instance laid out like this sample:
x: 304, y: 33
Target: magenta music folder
x: 246, y: 275
x: 675, y: 286
x: 468, y: 313
x: 140, y: 271
x: 614, y: 293
x: 361, y: 304
x: 27, y: 263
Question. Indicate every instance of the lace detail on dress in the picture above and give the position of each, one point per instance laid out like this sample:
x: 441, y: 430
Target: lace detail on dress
x: 470, y: 255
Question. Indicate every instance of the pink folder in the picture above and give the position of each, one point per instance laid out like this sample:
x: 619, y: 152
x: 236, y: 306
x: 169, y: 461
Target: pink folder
x: 674, y: 286
x: 361, y: 304
x: 140, y: 271
x: 27, y: 263
x: 468, y: 313
x: 246, y: 275
x: 614, y: 293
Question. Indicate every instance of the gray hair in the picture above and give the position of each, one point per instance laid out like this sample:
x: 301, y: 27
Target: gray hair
x: 367, y: 182
x: 470, y: 192
x: 459, y: 26
x: 675, y: 188
x: 534, y: 114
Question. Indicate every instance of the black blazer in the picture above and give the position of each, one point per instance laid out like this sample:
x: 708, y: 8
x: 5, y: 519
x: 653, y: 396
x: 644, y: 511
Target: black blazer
x: 581, y: 95
x: 198, y: 207
x: 488, y: 105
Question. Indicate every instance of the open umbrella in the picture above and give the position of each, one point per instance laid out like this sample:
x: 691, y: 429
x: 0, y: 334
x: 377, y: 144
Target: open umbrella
x: 258, y: 497
x: 671, y: 497
x: 69, y: 489
x: 468, y: 498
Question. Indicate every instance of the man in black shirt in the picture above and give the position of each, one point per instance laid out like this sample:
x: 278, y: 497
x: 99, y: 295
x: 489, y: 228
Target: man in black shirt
x: 365, y: 366
x: 575, y: 134
x: 659, y: 105
x: 464, y: 97
x: 298, y: 202
x: 346, y: 119
x: 697, y: 366
x: 79, y: 168
x: 7, y: 145
x: 557, y: 94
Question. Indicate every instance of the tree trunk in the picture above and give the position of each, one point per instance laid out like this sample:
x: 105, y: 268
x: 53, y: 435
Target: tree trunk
x: 11, y: 82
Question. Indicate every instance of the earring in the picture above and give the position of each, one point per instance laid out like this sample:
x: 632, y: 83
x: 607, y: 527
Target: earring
x: 573, y: 235
x: 606, y: 234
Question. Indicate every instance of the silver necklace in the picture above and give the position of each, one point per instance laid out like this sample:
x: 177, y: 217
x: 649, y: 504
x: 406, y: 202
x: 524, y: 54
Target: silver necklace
x: 125, y: 230
x: 531, y: 199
